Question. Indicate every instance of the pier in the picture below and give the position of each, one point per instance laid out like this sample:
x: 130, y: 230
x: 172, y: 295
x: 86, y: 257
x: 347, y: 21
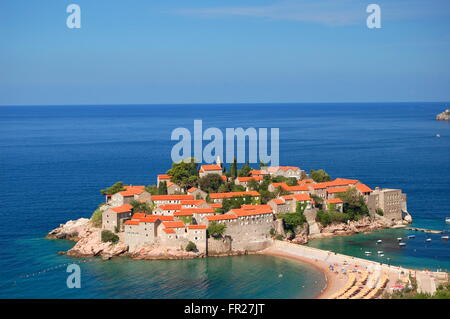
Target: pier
x: 424, y: 230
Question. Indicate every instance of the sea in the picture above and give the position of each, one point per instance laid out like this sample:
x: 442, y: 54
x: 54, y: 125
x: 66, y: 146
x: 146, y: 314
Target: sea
x: 55, y: 159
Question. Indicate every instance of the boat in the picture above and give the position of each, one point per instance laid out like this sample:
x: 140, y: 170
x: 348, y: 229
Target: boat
x: 438, y: 135
x: 445, y: 237
x: 447, y: 220
x: 381, y: 255
x: 399, y: 238
x: 379, y: 241
x: 411, y: 236
x: 380, y: 252
x: 368, y: 253
x: 428, y: 239
x: 402, y: 244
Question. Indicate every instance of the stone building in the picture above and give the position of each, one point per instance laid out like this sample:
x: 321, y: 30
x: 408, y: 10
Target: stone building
x: 197, y: 193
x: 197, y: 234
x: 126, y: 196
x: 162, y: 178
x: 173, y: 188
x: 115, y: 216
x: 210, y: 169
x: 336, y: 204
x: 285, y: 171
x: 169, y: 199
x: 392, y: 202
x: 243, y: 181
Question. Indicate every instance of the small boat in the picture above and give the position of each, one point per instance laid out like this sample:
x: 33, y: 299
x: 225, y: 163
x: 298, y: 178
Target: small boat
x: 368, y: 253
x: 438, y: 135
x: 399, y: 238
x: 402, y: 244
x: 447, y: 220
x: 445, y: 237
x: 380, y: 252
x: 381, y: 255
x: 379, y: 241
x: 411, y: 236
x: 428, y: 239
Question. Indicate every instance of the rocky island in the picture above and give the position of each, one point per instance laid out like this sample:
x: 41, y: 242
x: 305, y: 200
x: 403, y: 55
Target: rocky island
x: 444, y: 116
x: 196, y: 212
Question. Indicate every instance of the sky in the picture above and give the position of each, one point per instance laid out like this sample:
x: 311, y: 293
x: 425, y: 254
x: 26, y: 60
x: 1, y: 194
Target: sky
x: 223, y: 51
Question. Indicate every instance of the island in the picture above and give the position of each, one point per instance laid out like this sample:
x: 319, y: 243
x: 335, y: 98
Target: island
x: 444, y: 116
x: 211, y: 210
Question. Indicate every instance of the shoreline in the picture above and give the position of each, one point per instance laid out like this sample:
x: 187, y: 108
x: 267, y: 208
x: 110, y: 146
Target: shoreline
x: 331, y: 280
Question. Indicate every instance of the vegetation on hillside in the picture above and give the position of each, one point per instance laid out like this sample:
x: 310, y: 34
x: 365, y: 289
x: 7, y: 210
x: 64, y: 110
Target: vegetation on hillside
x: 96, y: 218
x: 108, y: 236
x: 319, y: 176
x: 184, y: 173
x: 115, y: 188
x: 210, y: 183
x: 140, y: 207
x: 216, y: 230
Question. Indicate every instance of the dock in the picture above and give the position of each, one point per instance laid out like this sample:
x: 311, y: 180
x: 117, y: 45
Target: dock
x: 424, y: 230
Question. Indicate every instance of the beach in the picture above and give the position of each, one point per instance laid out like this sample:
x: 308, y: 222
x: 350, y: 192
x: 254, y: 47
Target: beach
x: 350, y: 277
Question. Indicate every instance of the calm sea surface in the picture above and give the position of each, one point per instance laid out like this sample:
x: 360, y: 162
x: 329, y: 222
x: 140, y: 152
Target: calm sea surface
x: 54, y: 160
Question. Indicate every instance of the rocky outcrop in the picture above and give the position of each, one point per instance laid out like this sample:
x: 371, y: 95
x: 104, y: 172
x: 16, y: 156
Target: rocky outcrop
x: 352, y: 227
x: 301, y: 234
x: 72, y: 230
x: 92, y: 245
x: 151, y: 252
x: 444, y: 116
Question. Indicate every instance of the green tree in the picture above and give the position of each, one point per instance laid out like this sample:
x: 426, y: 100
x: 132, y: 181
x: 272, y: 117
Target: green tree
x: 292, y: 220
x: 210, y: 183
x: 233, y: 168
x: 253, y: 185
x: 354, y: 204
x: 182, y: 173
x: 96, y: 218
x: 108, y: 236
x: 216, y: 230
x: 162, y: 189
x: 115, y: 188
x: 152, y: 189
x: 320, y: 176
x: 245, y: 170
x: 331, y: 217
x: 140, y: 207
x: 191, y: 246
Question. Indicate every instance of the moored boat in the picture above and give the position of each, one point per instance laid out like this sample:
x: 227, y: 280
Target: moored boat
x: 428, y: 239
x: 445, y: 237
x: 402, y: 244
x: 399, y: 238
x: 379, y: 241
x: 411, y: 236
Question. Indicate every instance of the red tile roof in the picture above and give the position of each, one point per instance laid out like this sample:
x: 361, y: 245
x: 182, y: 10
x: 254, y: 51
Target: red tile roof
x: 182, y: 213
x: 233, y: 194
x: 196, y: 226
x: 164, y: 176
x: 132, y: 222
x: 192, y: 189
x: 208, y: 210
x: 212, y: 167
x: 170, y: 206
x: 169, y: 230
x: 335, y: 201
x: 173, y: 224
x: 122, y: 209
x: 337, y: 190
x: 195, y: 202
x: 363, y: 188
x: 171, y: 197
x: 221, y: 217
x: 215, y: 205
x: 250, y: 178
x: 299, y: 197
x: 132, y: 190
x: 258, y: 172
x: 278, y: 201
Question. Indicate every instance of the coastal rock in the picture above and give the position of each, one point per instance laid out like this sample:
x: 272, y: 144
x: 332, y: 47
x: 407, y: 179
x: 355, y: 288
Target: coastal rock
x: 91, y: 245
x: 301, y: 234
x: 155, y: 252
x: 444, y: 116
x: 352, y: 227
x: 72, y: 230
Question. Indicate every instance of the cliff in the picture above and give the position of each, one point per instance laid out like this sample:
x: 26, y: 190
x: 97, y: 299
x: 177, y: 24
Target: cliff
x: 444, y: 116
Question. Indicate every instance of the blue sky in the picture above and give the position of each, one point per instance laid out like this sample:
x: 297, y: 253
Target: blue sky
x: 223, y: 51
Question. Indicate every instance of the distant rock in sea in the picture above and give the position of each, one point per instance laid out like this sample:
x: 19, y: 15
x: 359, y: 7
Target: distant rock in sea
x: 444, y: 116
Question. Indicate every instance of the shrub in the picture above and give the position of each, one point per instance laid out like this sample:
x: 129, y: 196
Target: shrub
x: 292, y: 220
x: 380, y: 212
x: 279, y: 237
x: 96, y: 218
x: 191, y: 246
x: 272, y: 231
x: 216, y: 230
x: 117, y: 187
x: 108, y: 236
x: 331, y: 217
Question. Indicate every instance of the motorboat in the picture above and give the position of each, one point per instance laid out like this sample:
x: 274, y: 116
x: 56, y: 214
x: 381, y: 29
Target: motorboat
x: 447, y: 220
x: 445, y: 237
x: 379, y: 241
x: 368, y: 253
x: 428, y: 239
x: 380, y: 252
x: 402, y: 244
x: 411, y: 236
x: 399, y: 238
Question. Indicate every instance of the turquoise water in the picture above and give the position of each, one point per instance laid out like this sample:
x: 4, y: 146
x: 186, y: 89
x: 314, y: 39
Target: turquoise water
x: 55, y: 159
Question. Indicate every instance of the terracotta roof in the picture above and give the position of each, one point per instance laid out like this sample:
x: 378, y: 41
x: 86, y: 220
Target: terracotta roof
x: 363, y: 188
x: 192, y: 189
x: 169, y: 230
x: 250, y: 178
x: 208, y: 210
x: 212, y: 167
x: 162, y: 218
x: 240, y: 212
x: 233, y: 194
x: 215, y: 205
x: 122, y: 209
x: 335, y: 201
x: 283, y: 168
x: 182, y: 213
x: 170, y: 206
x: 132, y: 222
x: 164, y: 176
x: 195, y: 202
x: 138, y: 215
x: 305, y: 181
x: 278, y: 201
x: 224, y: 178
x: 258, y: 172
x: 132, y: 190
x: 299, y: 197
x: 173, y: 224
x: 221, y: 217
x: 337, y: 190
x: 171, y: 197
x: 196, y: 226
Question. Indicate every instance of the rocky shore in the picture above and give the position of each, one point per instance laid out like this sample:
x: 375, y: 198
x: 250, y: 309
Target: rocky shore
x: 444, y: 116
x: 89, y: 244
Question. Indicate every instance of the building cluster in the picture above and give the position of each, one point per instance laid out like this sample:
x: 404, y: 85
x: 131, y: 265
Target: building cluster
x: 183, y: 216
